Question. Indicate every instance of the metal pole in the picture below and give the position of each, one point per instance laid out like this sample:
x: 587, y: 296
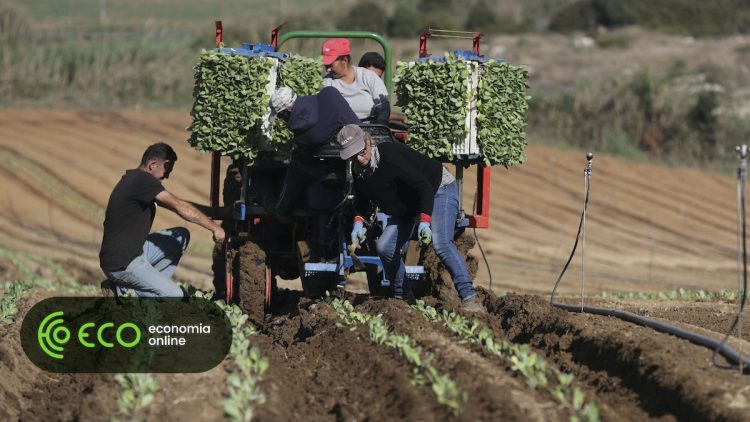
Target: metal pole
x: 586, y: 186
x: 742, y: 151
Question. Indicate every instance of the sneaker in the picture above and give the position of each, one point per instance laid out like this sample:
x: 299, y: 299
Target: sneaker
x: 473, y: 305
x: 108, y: 288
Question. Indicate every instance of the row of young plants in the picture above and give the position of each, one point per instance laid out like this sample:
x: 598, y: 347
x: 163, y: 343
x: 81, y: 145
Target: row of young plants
x: 679, y: 294
x: 138, y: 392
x: 249, y: 365
x: 534, y: 369
x: 138, y: 389
x: 13, y: 291
x: 439, y: 95
x: 63, y: 282
x: 445, y: 389
x: 232, y: 97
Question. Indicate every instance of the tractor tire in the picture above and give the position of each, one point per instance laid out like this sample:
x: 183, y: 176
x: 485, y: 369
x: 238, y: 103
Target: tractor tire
x: 251, y: 277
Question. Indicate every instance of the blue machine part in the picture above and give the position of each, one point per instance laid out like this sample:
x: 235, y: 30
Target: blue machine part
x: 413, y: 272
x: 239, y: 211
x: 460, y: 54
x: 253, y: 50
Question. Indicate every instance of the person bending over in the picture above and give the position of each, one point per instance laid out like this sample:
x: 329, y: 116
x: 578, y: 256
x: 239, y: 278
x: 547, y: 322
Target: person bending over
x: 415, y: 191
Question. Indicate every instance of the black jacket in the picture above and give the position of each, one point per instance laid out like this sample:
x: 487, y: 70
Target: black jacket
x: 403, y: 184
x: 316, y: 118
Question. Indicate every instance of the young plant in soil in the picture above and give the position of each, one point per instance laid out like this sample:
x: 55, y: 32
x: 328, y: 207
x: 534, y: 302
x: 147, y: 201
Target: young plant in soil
x: 527, y: 363
x: 137, y: 393
x: 679, y: 294
x: 138, y: 389
x: 248, y: 366
x: 11, y: 293
x: 445, y: 389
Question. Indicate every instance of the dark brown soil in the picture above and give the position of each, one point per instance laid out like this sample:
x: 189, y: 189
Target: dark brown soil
x: 322, y: 371
x: 668, y: 376
x: 28, y: 393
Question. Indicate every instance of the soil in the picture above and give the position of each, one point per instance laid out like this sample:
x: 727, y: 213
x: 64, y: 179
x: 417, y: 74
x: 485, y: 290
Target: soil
x: 322, y: 371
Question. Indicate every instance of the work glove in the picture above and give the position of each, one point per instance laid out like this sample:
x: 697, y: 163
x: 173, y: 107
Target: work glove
x: 425, y: 233
x: 358, y: 231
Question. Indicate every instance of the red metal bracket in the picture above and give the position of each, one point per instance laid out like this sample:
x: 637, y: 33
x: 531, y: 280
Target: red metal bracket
x: 481, y: 219
x: 475, y: 42
x: 423, y: 43
x: 215, y: 156
x: 275, y: 36
x: 219, y: 34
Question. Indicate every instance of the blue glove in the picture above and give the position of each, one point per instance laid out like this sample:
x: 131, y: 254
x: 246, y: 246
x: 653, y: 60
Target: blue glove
x: 424, y: 233
x: 358, y: 231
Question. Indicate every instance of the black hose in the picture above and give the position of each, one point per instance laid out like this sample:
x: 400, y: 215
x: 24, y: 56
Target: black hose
x: 719, y: 347
x: 578, y: 236
x: 741, y: 177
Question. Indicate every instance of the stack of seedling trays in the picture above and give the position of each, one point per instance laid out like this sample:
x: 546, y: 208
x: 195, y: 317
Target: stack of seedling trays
x: 465, y: 108
x: 232, y: 90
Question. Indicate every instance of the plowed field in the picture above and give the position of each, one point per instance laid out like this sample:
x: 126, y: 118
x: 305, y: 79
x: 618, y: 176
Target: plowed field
x: 649, y: 229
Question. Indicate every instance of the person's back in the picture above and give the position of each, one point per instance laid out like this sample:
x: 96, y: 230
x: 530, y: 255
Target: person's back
x: 315, y: 119
x: 128, y: 218
x: 403, y: 183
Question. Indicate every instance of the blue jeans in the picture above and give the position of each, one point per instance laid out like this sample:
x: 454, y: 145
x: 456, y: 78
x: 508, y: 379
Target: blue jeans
x: 150, y: 274
x: 399, y: 230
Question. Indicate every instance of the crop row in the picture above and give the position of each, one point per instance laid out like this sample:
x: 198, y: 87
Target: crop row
x: 63, y: 281
x: 249, y: 365
x: 443, y: 386
x: 538, y: 374
x: 682, y: 294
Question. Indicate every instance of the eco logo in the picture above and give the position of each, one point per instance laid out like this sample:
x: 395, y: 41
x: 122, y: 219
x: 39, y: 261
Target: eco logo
x: 105, y: 335
x: 52, y: 332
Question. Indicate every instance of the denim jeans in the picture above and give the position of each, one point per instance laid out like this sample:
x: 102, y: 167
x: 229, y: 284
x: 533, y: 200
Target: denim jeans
x: 150, y: 274
x: 398, y: 231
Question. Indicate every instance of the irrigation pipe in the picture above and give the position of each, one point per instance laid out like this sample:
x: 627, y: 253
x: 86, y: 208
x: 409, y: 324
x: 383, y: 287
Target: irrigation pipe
x: 735, y: 359
x: 741, y: 262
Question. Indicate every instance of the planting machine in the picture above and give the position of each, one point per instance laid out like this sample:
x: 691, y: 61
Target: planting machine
x: 311, y: 243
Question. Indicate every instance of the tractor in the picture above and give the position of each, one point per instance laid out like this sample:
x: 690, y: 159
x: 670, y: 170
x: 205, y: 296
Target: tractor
x: 312, y: 242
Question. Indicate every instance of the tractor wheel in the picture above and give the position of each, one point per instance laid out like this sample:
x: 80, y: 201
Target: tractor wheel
x: 253, y: 281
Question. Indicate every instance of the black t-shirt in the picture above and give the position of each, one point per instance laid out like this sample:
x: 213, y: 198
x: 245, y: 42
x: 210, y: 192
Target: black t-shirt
x: 127, y: 222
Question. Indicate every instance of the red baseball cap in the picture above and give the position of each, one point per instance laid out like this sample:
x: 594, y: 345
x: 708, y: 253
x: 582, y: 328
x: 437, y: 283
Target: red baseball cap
x: 334, y: 48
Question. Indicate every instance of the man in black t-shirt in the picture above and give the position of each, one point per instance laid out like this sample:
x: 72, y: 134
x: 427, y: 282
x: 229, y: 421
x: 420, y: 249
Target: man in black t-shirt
x: 130, y: 256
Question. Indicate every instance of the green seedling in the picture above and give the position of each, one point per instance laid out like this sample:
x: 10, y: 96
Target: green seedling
x: 446, y: 391
x: 523, y: 361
